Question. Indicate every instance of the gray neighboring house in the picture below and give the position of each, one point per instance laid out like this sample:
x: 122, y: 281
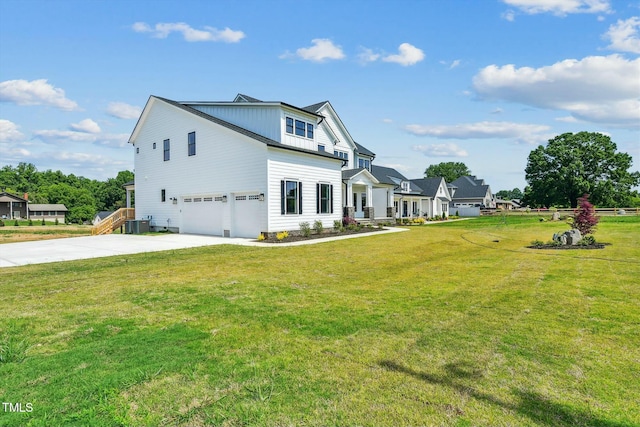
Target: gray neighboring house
x: 12, y: 206
x: 100, y: 216
x: 471, y: 192
x: 48, y: 212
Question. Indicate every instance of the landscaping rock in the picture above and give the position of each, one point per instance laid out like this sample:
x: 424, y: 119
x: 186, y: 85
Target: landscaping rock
x: 622, y: 212
x: 569, y: 237
x: 555, y: 216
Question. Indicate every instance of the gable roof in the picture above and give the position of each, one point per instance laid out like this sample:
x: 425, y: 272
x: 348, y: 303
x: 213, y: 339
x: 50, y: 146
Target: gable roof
x: 8, y: 197
x: 47, y: 207
x: 263, y: 139
x: 245, y: 98
x: 429, y: 186
x: 470, y: 187
x: 362, y: 150
x: 352, y: 173
x: 103, y: 214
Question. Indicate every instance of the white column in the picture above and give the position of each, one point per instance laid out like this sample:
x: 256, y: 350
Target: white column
x: 128, y: 198
x: 350, y: 195
x: 369, y: 195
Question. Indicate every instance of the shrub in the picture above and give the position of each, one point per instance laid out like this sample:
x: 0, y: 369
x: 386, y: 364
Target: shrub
x: 457, y: 213
x: 43, y: 223
x: 261, y: 237
x: 337, y: 225
x: 305, y: 229
x: 347, y: 221
x: 317, y: 226
x: 282, y: 235
x: 57, y: 222
x: 588, y: 240
x: 585, y: 218
x: 419, y: 221
x: 537, y: 243
x: 30, y: 222
x: 15, y: 223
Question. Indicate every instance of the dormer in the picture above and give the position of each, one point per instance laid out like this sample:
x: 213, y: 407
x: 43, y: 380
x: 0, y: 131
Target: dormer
x: 405, y: 186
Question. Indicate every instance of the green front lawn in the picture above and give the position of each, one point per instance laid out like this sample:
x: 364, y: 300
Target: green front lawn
x: 452, y: 324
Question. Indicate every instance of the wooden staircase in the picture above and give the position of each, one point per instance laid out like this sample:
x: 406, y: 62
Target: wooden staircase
x: 113, y: 221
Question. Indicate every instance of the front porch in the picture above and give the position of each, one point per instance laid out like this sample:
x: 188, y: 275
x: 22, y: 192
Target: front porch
x: 365, y: 199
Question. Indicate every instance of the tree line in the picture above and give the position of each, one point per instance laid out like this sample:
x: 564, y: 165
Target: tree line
x: 83, y: 197
x: 568, y: 167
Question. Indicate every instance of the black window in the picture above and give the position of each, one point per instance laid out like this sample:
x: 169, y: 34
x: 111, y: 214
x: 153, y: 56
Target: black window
x: 324, y: 198
x: 154, y: 145
x: 300, y: 128
x: 289, y: 125
x: 163, y: 195
x: 167, y: 150
x: 291, y: 197
x: 320, y: 147
x: 192, y: 143
x: 309, y: 130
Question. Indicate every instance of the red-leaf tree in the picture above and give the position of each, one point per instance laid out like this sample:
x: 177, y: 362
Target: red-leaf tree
x: 585, y: 218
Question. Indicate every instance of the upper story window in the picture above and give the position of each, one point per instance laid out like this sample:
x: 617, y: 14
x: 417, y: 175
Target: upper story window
x: 364, y: 163
x: 299, y: 128
x: 167, y: 150
x: 191, y: 143
x: 405, y: 185
x: 343, y: 155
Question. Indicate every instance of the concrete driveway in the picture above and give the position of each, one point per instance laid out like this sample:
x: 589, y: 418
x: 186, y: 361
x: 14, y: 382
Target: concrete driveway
x: 55, y: 250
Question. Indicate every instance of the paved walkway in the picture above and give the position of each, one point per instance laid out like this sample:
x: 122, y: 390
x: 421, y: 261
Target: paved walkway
x: 55, y: 250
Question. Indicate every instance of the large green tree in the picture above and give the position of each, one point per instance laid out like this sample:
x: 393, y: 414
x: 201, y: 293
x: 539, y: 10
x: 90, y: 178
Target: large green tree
x: 450, y: 171
x: 573, y: 164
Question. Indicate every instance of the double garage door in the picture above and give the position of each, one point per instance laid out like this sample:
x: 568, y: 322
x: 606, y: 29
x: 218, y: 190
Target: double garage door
x: 236, y: 216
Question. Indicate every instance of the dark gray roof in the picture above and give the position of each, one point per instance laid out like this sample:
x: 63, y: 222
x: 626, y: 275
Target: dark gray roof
x: 47, y: 207
x: 314, y: 107
x: 470, y: 187
x: 268, y: 141
x: 350, y: 173
x: 247, y: 98
x: 385, y: 175
x: 103, y: 214
x: 429, y: 186
x: 362, y: 150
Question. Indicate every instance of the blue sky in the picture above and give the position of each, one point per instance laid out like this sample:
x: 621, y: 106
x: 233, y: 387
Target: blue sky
x: 483, y: 82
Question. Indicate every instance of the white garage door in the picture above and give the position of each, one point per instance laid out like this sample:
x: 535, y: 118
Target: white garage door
x: 247, y: 221
x: 202, y: 215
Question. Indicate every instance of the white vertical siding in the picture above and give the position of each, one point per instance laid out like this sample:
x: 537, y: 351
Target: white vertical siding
x: 263, y: 120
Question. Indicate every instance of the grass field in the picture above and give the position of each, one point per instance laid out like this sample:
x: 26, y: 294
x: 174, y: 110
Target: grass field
x: 453, y: 324
x: 25, y: 232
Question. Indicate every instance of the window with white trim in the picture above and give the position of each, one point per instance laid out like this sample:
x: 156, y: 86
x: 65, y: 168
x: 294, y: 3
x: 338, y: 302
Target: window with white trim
x: 364, y: 163
x: 343, y: 155
x: 299, y: 127
x: 191, y: 143
x: 167, y: 150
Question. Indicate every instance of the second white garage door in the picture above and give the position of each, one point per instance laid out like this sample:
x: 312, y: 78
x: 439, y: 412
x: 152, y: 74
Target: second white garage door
x: 247, y: 216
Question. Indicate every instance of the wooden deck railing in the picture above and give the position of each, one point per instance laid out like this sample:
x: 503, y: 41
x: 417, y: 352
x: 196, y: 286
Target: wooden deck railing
x: 113, y: 221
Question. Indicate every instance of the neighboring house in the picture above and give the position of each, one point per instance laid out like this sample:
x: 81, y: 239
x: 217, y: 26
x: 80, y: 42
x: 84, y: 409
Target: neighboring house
x: 439, y: 197
x: 247, y: 167
x: 12, y: 206
x: 505, y: 205
x: 100, y: 216
x: 471, y: 192
x: 48, y: 212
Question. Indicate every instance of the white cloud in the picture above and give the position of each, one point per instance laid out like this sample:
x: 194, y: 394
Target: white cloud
x: 54, y: 135
x: 367, y: 55
x: 509, y: 15
x: 441, y: 150
x: 36, y: 92
x: 9, y: 131
x: 209, y: 34
x: 557, y: 7
x: 454, y: 64
x: 497, y: 111
x: 624, y: 35
x: 407, y: 55
x: 322, y: 50
x: 86, y: 125
x: 600, y: 89
x: 481, y: 130
x: 122, y: 110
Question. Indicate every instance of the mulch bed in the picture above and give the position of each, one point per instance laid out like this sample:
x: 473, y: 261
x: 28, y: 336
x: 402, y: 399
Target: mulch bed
x: 564, y: 247
x: 322, y: 236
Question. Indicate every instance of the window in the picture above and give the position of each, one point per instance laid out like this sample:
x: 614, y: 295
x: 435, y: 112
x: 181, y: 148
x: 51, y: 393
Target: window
x: 163, y: 195
x: 167, y: 150
x: 154, y: 145
x: 191, y: 143
x: 137, y: 150
x: 405, y: 186
x: 364, y: 163
x: 324, y: 198
x: 301, y: 127
x: 321, y: 147
x: 414, y: 208
x: 355, y: 202
x: 343, y: 155
x: 364, y: 200
x: 290, y: 197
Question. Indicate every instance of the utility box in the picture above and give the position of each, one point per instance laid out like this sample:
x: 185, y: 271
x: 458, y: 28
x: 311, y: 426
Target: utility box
x: 137, y: 226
